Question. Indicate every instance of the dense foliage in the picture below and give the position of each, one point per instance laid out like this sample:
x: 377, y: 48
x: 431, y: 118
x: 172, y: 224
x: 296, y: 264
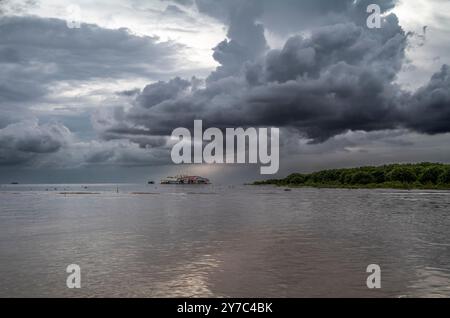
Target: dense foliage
x: 422, y: 175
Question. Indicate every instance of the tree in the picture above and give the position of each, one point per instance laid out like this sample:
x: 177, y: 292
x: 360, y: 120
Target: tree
x: 362, y: 178
x: 402, y: 174
x: 296, y: 178
x: 431, y: 175
x: 345, y: 177
x: 444, y: 178
x: 379, y: 176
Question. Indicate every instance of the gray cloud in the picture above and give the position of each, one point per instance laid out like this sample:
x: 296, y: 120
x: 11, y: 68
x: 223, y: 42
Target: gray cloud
x: 185, y: 3
x: 29, y: 143
x: 331, y: 78
x: 336, y: 78
x: 339, y: 78
x: 117, y: 153
x: 35, y: 52
x: 16, y: 7
x: 159, y: 92
x: 428, y: 110
x: 292, y: 16
x: 24, y: 141
x: 38, y: 53
x: 245, y: 37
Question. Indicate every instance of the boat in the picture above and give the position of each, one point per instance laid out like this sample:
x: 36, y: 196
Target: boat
x: 195, y: 180
x: 185, y: 180
x: 151, y: 182
x: 171, y: 180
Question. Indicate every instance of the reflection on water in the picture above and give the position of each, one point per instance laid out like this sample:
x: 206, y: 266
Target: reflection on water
x: 188, y: 280
x: 430, y: 282
x: 211, y: 241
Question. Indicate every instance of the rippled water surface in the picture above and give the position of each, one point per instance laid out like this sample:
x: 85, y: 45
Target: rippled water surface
x: 211, y: 241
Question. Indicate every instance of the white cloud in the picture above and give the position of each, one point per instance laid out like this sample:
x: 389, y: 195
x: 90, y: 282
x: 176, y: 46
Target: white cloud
x: 430, y: 49
x: 198, y: 32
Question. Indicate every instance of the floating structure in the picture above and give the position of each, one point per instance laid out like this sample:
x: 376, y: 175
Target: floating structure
x: 185, y: 180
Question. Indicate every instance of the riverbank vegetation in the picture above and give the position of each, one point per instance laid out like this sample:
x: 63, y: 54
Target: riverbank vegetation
x: 395, y: 176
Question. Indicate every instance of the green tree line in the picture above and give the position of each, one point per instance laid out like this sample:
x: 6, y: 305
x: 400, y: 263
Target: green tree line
x: 421, y: 175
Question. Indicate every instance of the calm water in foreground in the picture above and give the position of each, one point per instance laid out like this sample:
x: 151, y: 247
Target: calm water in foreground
x: 211, y: 241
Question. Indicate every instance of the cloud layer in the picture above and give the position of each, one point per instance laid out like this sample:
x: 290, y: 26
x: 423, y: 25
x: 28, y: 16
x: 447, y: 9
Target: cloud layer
x: 334, y: 79
x: 35, y: 52
x: 327, y: 80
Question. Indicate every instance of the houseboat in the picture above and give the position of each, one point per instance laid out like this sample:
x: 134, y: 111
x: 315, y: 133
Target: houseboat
x: 185, y: 180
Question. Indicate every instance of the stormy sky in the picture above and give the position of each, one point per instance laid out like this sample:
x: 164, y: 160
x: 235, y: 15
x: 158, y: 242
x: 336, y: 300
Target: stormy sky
x: 98, y: 103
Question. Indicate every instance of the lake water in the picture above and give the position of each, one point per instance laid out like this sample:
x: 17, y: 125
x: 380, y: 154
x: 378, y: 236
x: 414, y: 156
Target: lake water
x: 212, y: 241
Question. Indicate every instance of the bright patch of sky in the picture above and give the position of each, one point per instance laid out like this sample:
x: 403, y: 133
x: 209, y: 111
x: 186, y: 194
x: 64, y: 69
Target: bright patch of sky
x: 430, y: 46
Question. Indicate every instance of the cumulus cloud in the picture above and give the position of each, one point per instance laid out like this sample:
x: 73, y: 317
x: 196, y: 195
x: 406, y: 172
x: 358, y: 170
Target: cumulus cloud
x: 24, y: 141
x: 293, y: 16
x: 337, y: 79
x: 334, y: 79
x: 245, y: 38
x: 53, y: 145
x: 428, y: 110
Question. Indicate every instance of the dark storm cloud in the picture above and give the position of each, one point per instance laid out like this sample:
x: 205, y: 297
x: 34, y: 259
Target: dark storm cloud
x: 245, y: 37
x: 335, y: 79
x: 35, y: 52
x: 159, y: 92
x: 379, y: 51
x: 429, y: 108
x: 24, y: 141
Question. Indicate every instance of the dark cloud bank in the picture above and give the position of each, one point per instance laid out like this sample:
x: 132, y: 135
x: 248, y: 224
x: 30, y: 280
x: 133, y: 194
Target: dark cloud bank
x: 325, y: 81
x: 333, y: 75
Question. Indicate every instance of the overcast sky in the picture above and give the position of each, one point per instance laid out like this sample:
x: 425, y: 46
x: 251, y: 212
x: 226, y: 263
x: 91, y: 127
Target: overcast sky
x: 98, y: 103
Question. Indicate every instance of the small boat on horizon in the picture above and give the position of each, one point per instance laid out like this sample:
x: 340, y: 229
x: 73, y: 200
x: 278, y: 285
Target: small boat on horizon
x: 185, y: 180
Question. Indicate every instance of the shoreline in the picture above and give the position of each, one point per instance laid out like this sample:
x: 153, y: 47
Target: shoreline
x: 417, y: 176
x: 354, y: 187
